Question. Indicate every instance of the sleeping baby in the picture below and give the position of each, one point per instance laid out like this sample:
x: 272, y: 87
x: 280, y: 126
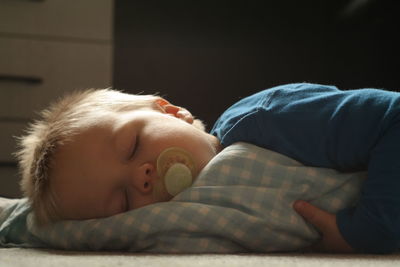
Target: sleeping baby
x: 102, y: 153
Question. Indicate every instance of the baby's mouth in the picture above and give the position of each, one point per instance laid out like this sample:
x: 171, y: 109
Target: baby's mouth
x: 176, y: 172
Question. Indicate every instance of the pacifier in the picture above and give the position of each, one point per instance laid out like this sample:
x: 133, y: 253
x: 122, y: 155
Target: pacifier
x: 175, y: 169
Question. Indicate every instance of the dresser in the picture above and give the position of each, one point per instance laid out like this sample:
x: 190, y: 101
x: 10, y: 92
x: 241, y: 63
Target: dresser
x: 47, y: 48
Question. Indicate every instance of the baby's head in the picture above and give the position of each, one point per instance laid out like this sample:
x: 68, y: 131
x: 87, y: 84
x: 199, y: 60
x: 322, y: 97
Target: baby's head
x: 93, y: 153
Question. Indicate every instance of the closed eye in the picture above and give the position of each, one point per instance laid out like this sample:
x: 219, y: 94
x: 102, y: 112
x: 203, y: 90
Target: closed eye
x: 134, y: 147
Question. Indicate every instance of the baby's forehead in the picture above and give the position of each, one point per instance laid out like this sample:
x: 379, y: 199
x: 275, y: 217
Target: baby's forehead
x: 108, y: 123
x: 118, y: 119
x: 110, y: 120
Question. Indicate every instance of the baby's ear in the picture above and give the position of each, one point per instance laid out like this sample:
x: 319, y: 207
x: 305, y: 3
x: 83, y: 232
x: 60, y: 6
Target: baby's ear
x: 178, y: 112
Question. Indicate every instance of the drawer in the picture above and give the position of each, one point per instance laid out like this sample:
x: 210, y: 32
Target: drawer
x: 8, y: 132
x: 41, y: 70
x: 87, y: 19
x: 9, y: 182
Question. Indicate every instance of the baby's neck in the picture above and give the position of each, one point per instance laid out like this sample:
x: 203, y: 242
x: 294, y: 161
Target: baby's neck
x: 216, y: 144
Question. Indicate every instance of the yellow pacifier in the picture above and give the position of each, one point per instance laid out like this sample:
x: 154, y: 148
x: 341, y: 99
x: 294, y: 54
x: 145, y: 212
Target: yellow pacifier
x: 176, y: 169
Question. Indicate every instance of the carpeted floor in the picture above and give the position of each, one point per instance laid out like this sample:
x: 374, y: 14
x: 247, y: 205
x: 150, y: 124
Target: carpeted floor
x: 44, y: 258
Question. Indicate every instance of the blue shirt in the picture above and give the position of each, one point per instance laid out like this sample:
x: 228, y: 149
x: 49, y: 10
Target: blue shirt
x: 323, y: 126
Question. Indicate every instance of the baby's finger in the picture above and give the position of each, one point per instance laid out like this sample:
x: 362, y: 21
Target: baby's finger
x: 317, y: 217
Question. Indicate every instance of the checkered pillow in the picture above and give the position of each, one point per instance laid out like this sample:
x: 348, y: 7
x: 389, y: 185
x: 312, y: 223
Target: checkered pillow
x: 241, y: 202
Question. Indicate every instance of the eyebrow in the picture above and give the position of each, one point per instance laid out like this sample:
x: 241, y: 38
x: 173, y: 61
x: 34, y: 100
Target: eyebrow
x: 109, y: 203
x: 120, y: 142
x: 114, y: 135
x: 117, y: 134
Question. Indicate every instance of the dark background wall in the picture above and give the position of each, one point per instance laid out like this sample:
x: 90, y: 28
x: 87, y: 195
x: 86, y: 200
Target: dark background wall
x: 205, y: 55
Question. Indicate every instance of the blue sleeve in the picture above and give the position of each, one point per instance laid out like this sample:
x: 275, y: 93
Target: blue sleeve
x: 326, y: 127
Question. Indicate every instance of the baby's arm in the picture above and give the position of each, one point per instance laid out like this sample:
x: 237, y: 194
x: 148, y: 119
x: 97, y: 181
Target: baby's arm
x: 345, y: 130
x: 331, y: 240
x: 373, y: 225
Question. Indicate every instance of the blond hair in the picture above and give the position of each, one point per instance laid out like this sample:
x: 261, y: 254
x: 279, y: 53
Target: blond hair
x: 56, y: 126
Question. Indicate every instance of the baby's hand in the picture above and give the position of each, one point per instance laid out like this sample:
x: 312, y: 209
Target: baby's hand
x: 332, y: 240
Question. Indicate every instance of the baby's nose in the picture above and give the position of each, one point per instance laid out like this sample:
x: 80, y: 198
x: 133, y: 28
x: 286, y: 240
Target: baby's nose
x: 145, y: 176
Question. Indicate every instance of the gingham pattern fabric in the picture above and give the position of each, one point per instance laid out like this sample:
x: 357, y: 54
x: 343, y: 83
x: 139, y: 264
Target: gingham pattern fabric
x: 241, y: 202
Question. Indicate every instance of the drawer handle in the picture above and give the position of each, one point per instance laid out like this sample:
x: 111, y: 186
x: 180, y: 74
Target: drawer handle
x: 21, y: 79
